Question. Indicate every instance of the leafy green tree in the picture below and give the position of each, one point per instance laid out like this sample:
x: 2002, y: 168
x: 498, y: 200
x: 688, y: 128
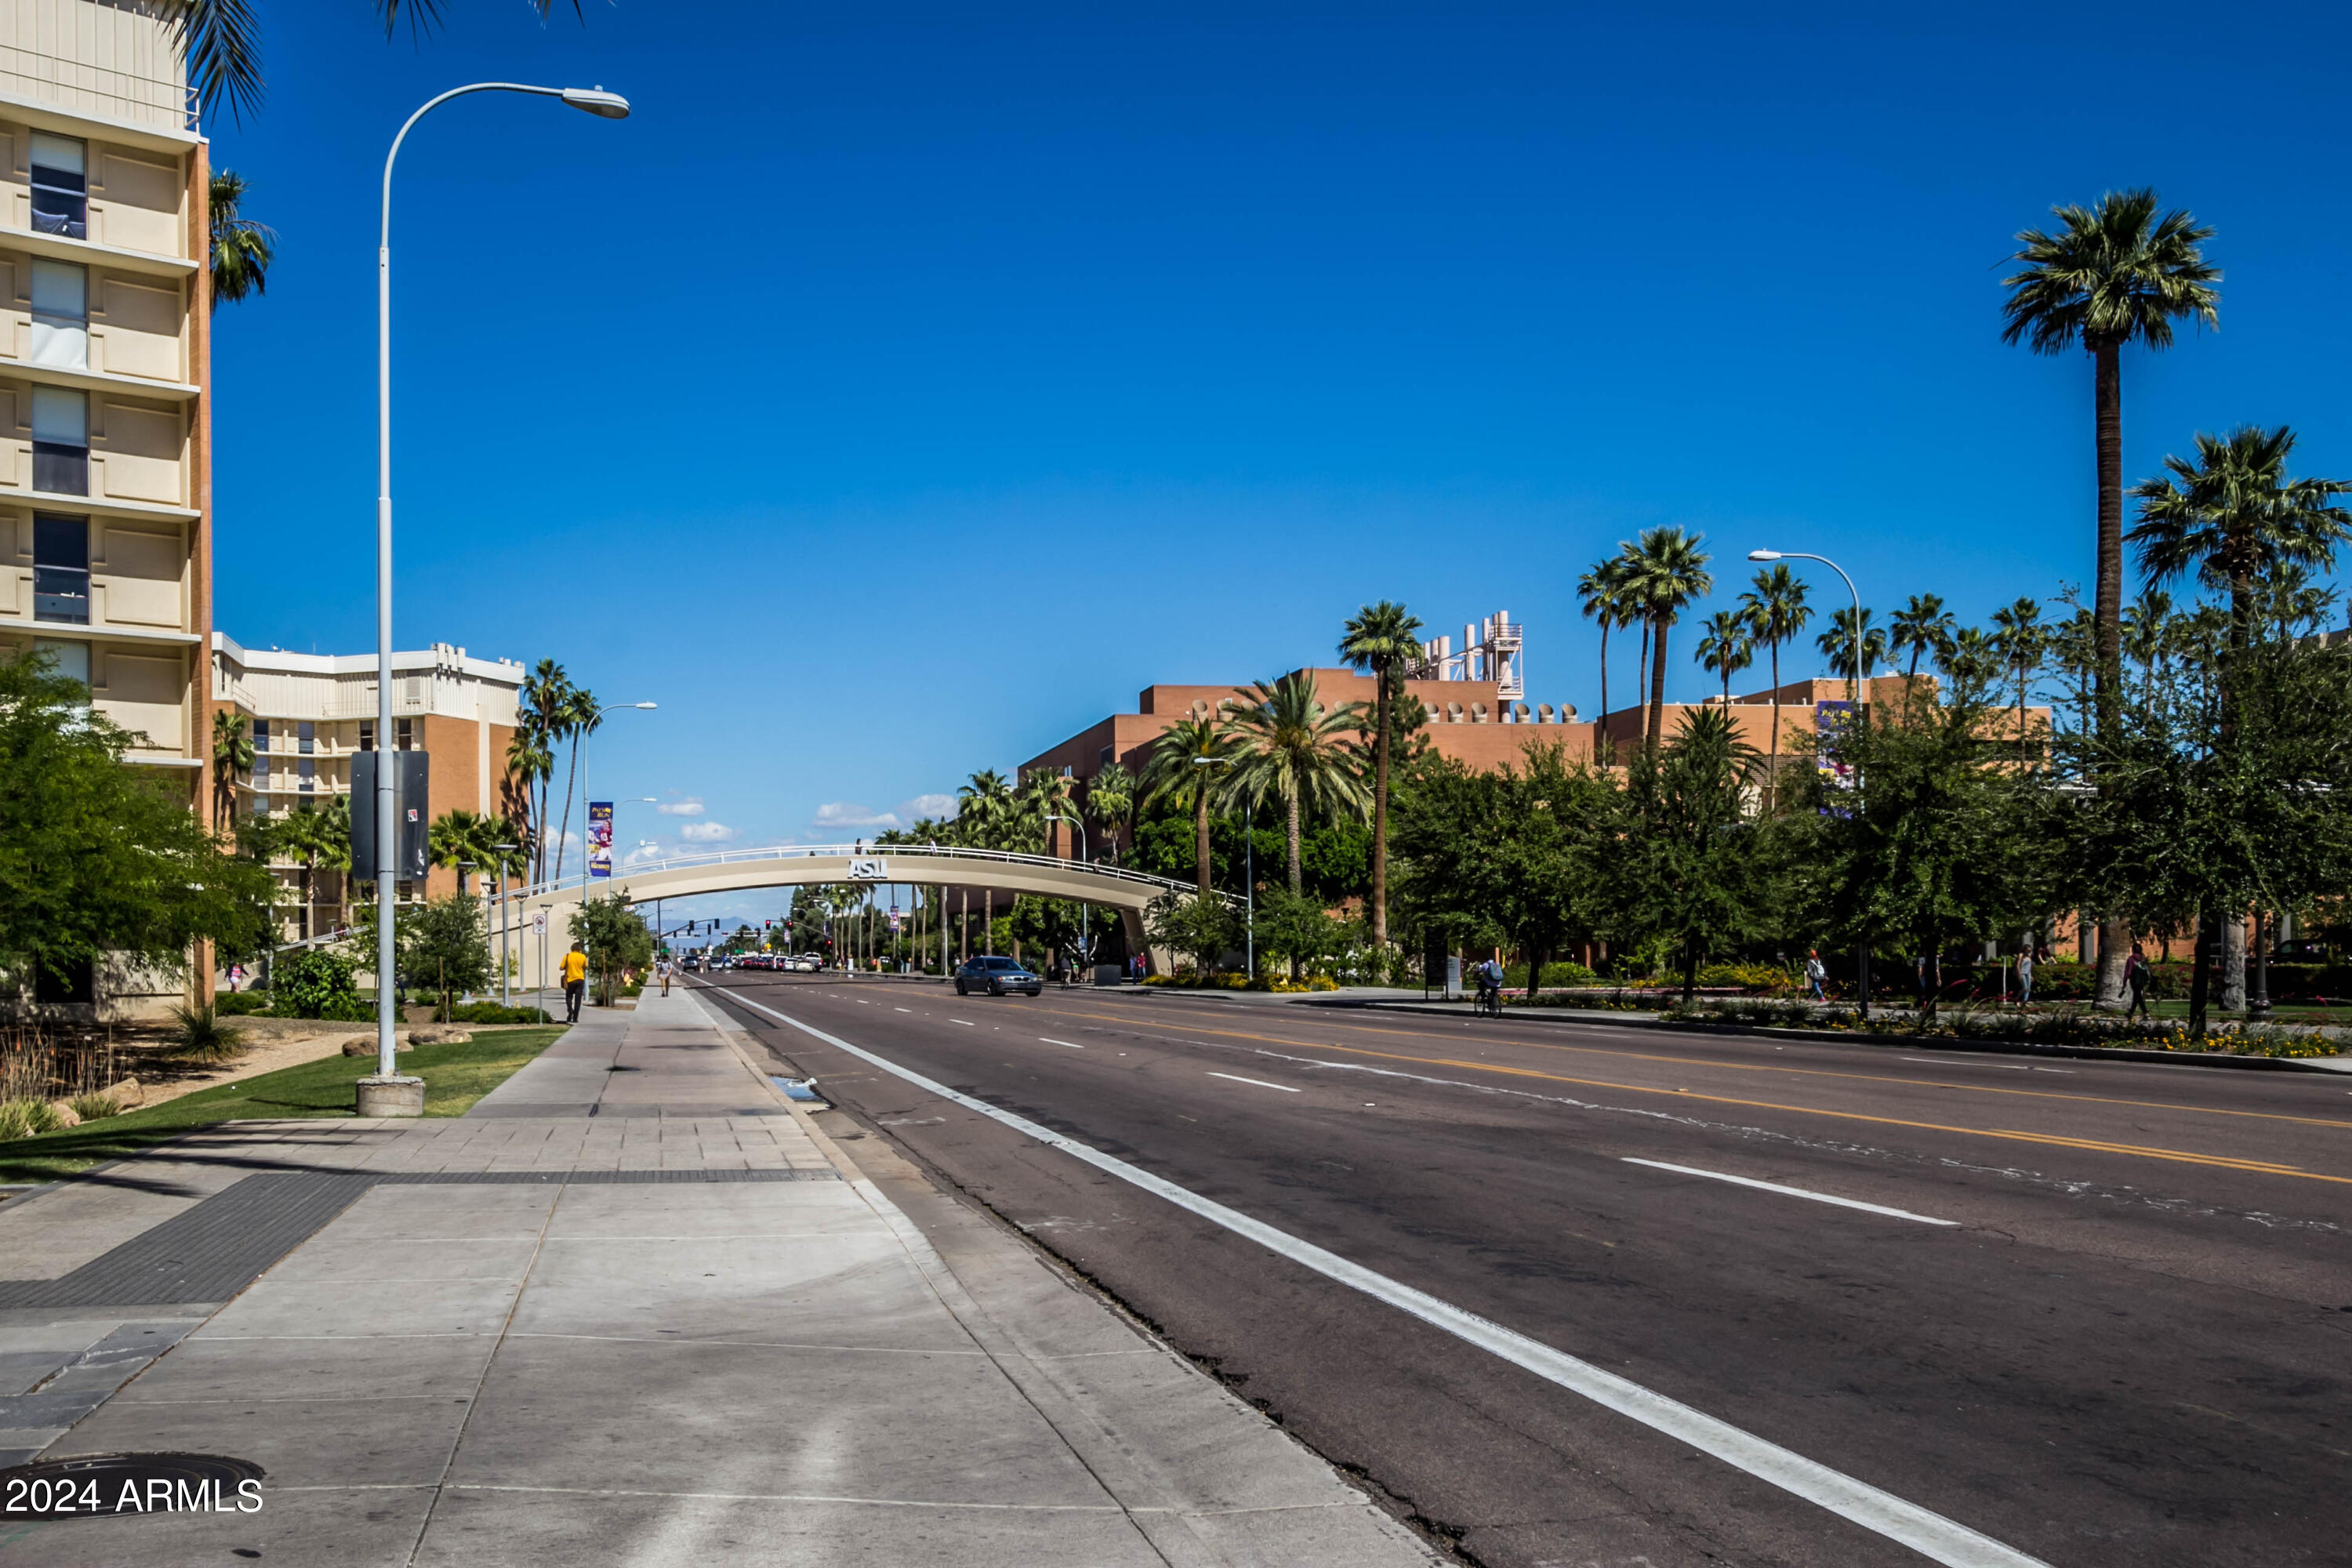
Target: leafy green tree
x: 1203, y: 926
x: 613, y: 934
x: 446, y: 947
x: 2112, y: 274
x: 242, y: 250
x: 1384, y: 638
x: 1299, y: 752
x: 1686, y: 863
x: 97, y: 858
x: 1177, y: 773
x: 317, y: 983
x: 1777, y: 613
x: 1297, y: 930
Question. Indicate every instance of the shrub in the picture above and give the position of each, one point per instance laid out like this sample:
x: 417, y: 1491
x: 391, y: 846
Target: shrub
x: 491, y: 1013
x: 1763, y: 979
x: 1515, y: 978
x: 241, y: 1003
x: 95, y: 1107
x: 28, y: 1118
x: 199, y: 1036
x: 317, y: 984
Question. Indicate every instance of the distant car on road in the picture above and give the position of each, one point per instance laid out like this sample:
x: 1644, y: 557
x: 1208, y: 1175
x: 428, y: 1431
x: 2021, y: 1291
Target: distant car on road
x: 997, y: 977
x: 808, y: 962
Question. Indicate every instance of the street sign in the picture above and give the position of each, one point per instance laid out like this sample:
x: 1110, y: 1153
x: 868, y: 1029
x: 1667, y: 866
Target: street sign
x: 538, y: 923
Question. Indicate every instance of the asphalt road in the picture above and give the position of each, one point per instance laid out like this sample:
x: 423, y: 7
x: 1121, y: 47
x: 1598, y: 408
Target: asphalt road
x: 2129, y: 1344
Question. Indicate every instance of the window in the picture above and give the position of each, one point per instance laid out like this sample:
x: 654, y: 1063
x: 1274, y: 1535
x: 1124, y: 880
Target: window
x: 261, y: 735
x: 61, y: 569
x: 260, y: 775
x: 60, y: 441
x: 403, y: 736
x: 61, y: 186
x: 367, y: 735
x: 60, y: 314
x: 71, y: 659
x: 305, y: 733
x: 306, y: 774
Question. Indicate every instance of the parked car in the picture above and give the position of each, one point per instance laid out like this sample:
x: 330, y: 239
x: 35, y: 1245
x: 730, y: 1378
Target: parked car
x: 997, y: 977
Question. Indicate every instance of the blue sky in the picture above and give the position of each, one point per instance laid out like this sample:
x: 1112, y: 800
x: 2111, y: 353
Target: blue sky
x: 902, y: 389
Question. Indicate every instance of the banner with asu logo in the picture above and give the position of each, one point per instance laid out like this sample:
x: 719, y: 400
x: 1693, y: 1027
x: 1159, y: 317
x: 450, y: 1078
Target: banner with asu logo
x: 600, y: 838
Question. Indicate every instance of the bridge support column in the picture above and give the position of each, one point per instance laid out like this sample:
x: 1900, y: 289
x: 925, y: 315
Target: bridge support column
x: 1131, y: 922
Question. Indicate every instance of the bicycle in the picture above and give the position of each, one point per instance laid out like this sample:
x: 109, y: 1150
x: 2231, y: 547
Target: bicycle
x: 1490, y: 1000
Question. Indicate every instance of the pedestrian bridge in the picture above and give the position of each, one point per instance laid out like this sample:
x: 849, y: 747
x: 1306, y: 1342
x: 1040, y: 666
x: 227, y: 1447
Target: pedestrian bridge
x: 977, y: 882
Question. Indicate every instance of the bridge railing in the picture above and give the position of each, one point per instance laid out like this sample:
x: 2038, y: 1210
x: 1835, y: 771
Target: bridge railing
x: 712, y: 857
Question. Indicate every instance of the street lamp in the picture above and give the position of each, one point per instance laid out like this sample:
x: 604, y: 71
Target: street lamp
x: 506, y: 989
x: 592, y: 100
x: 1861, y: 649
x: 596, y: 717
x: 1084, y: 942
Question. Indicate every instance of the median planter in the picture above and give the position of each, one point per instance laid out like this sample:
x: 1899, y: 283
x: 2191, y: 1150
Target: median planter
x: 393, y: 1096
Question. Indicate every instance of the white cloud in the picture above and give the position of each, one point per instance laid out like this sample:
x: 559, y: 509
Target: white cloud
x: 942, y: 806
x: 706, y: 831
x: 688, y: 805
x: 641, y: 853
x: 843, y: 814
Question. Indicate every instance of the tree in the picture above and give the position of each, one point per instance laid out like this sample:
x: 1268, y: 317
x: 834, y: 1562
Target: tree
x: 1726, y: 646
x: 242, y: 250
x: 1970, y: 658
x: 1839, y: 645
x: 1177, y: 775
x: 543, y: 700
x: 2146, y: 626
x: 985, y: 810
x: 316, y: 837
x: 96, y: 858
x: 1382, y: 638
x: 1775, y: 611
x: 232, y: 755
x: 581, y: 717
x: 2021, y: 642
x: 1920, y: 628
x: 2112, y: 274
x: 1203, y: 926
x: 614, y: 938
x: 2235, y: 520
x: 1668, y: 571
x: 1110, y: 806
x: 445, y: 947
x: 1684, y: 863
x: 1299, y: 752
x: 463, y: 840
x: 1603, y: 596
x: 530, y: 762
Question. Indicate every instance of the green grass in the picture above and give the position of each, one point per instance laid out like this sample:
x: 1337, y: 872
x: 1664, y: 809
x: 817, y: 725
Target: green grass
x: 455, y: 1077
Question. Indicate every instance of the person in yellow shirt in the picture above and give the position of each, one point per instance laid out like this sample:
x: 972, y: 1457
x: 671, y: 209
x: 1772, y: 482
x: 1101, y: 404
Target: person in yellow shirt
x: 575, y: 982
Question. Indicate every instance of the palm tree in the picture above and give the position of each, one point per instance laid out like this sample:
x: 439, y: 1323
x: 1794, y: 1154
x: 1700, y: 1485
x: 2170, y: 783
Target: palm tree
x: 2237, y: 520
x: 2291, y: 599
x: 1921, y: 627
x: 543, y: 698
x: 581, y: 716
x: 1775, y: 611
x: 1382, y: 638
x: 1726, y: 645
x: 984, y: 811
x: 1043, y: 793
x: 1110, y: 804
x: 1970, y: 660
x: 220, y: 40
x: 1177, y: 775
x: 2111, y: 274
x: 315, y: 839
x: 1669, y: 571
x: 242, y: 248
x: 232, y: 755
x: 1601, y: 593
x: 1839, y: 647
x: 530, y: 762
x: 1298, y: 752
x: 2146, y: 629
x: 2021, y: 641
x: 464, y: 840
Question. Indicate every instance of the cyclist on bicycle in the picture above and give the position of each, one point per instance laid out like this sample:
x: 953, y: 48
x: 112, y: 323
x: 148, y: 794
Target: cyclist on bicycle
x: 1490, y: 986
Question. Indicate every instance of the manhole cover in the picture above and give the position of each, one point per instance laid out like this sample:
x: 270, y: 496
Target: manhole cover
x: 102, y: 1485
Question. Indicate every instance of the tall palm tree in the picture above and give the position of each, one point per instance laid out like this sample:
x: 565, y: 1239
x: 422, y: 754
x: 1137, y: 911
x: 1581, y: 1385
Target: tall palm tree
x: 1601, y: 593
x: 1299, y: 752
x: 221, y: 42
x: 315, y: 839
x: 2294, y: 602
x: 1849, y: 658
x: 2234, y: 518
x: 530, y: 762
x: 1970, y: 660
x: 232, y: 755
x: 1920, y: 628
x: 1176, y: 773
x: 2112, y: 274
x: 1110, y: 804
x: 1384, y: 638
x: 1775, y: 611
x: 2021, y: 641
x: 2147, y: 625
x: 984, y: 811
x: 581, y: 716
x: 544, y: 696
x: 1668, y: 571
x: 1726, y: 645
x: 465, y: 841
x: 242, y: 250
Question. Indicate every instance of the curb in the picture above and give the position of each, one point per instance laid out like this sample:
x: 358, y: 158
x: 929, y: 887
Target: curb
x: 2340, y: 1063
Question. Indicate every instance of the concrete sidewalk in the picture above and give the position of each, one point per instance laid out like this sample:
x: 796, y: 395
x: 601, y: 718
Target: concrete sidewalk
x: 632, y: 1308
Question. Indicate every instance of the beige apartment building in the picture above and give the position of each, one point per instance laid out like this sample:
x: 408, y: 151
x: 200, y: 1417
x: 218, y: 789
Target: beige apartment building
x: 308, y: 714
x: 105, y: 430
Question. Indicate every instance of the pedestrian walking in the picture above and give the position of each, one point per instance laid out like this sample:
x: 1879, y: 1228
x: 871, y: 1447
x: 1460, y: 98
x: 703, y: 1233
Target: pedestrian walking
x: 575, y: 982
x: 2137, y: 975
x: 662, y: 967
x: 1815, y: 975
x: 2025, y: 978
x: 235, y: 977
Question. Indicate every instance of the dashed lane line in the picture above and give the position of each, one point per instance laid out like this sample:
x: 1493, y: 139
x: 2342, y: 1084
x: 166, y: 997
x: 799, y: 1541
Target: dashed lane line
x: 1236, y: 1077
x: 1789, y: 1192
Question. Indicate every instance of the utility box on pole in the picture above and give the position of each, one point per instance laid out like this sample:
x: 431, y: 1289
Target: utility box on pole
x: 411, y: 809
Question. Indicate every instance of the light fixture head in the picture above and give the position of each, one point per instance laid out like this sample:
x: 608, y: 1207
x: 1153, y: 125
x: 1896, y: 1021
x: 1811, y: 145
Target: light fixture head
x: 648, y: 707
x: 1763, y: 555
x: 595, y: 100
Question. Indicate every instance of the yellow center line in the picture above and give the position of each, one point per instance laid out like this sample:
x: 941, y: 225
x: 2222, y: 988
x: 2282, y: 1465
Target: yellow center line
x: 1808, y: 1072
x: 2181, y: 1156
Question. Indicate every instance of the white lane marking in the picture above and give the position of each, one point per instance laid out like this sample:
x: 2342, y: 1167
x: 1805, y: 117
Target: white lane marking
x: 902, y: 1009
x: 1930, y: 1534
x: 1236, y: 1077
x: 2005, y: 1067
x: 965, y: 1022
x: 1050, y: 1042
x: 1790, y: 1192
